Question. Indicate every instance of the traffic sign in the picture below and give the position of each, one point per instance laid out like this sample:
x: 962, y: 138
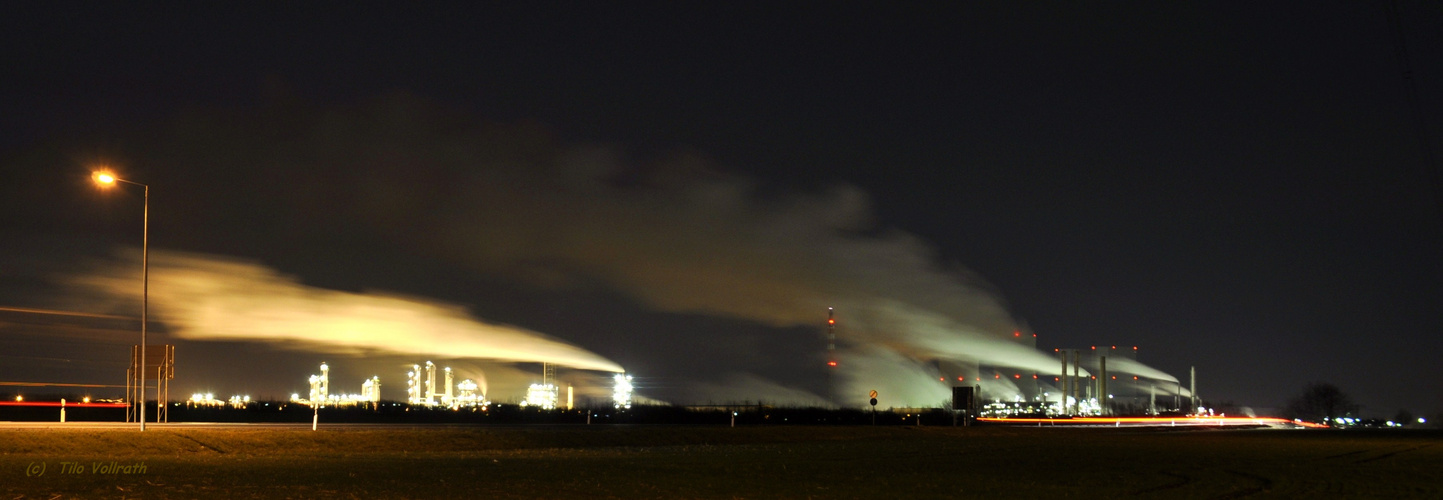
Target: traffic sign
x: 873, y: 394
x: 874, y: 401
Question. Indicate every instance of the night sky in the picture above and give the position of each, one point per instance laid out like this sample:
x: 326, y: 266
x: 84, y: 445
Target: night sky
x: 682, y: 191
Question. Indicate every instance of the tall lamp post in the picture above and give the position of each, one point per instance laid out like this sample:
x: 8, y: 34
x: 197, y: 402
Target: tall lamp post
x: 106, y: 179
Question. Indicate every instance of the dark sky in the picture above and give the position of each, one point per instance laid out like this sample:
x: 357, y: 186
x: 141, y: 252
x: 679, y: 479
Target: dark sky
x: 1238, y: 187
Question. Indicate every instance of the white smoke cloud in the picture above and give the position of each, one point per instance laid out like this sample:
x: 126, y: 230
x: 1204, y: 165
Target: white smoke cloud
x: 206, y: 297
x: 1119, y: 364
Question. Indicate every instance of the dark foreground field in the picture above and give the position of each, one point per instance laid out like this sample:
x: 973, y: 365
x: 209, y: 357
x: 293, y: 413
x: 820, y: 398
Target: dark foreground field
x: 720, y: 462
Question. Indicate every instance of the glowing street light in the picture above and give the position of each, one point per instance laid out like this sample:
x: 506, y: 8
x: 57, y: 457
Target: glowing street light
x: 107, y: 179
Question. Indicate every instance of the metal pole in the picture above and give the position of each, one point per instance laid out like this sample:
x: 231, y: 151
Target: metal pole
x: 144, y: 299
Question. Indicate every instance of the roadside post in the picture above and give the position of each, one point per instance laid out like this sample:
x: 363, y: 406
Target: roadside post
x: 873, y: 395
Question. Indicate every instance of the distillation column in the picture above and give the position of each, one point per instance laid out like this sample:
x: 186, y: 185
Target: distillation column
x: 450, y: 382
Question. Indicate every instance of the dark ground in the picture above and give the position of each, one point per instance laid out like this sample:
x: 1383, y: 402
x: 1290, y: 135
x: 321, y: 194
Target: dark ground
x: 722, y: 462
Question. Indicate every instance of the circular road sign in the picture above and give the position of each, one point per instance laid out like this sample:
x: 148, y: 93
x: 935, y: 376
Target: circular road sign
x: 872, y: 394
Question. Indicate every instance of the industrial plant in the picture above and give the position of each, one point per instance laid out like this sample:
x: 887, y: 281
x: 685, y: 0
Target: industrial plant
x: 421, y: 391
x: 1083, y: 386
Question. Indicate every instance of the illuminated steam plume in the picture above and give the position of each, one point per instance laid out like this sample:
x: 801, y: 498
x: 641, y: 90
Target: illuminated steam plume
x: 204, y: 297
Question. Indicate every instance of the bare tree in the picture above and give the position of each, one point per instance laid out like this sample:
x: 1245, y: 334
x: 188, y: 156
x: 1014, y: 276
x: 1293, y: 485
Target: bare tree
x: 1321, y: 402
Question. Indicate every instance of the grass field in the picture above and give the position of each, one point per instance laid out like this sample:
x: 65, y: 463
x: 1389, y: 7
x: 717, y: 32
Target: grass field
x: 722, y: 462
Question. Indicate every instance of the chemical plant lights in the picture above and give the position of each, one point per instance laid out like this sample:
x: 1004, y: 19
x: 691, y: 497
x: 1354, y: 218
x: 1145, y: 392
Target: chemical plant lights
x: 106, y: 179
x: 621, y: 395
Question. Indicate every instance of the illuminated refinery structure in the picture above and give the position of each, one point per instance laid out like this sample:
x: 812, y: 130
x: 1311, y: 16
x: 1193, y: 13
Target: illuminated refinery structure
x: 208, y: 400
x: 467, y: 395
x: 371, y: 389
x: 541, y: 395
x: 545, y: 394
x: 1083, y: 387
x: 422, y: 391
x: 621, y: 392
x: 413, y: 385
x: 321, y: 384
x: 430, y: 384
x: 463, y: 394
x: 320, y: 394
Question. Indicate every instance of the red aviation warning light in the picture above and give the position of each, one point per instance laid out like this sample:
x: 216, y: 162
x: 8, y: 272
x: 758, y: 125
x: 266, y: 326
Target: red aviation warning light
x: 831, y: 363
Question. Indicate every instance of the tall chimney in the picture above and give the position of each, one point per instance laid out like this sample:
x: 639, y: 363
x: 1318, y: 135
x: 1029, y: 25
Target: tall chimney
x: 1102, y: 403
x: 1062, y: 384
x: 1075, y: 375
x: 1192, y: 387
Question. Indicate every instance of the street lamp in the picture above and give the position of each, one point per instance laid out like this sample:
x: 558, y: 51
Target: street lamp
x: 107, y: 179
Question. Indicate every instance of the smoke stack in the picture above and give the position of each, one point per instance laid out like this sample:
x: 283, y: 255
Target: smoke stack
x: 1075, y: 375
x: 1062, y: 384
x: 1102, y: 401
x: 1192, y: 386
